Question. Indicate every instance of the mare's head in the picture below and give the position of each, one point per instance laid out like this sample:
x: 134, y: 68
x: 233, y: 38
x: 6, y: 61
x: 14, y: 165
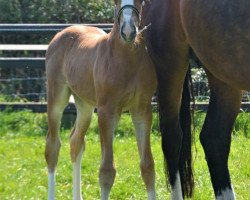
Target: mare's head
x: 128, y: 17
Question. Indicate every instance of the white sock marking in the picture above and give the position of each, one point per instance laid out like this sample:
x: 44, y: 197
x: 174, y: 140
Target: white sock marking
x: 151, y: 195
x: 77, y: 192
x: 227, y: 194
x: 176, y: 193
x: 51, y: 185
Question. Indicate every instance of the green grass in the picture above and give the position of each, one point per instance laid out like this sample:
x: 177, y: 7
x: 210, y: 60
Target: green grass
x: 23, y: 171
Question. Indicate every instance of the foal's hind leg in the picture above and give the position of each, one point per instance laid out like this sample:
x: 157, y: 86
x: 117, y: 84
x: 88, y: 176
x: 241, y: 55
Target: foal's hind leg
x: 215, y: 136
x: 57, y: 100
x: 77, y: 144
x: 142, y: 120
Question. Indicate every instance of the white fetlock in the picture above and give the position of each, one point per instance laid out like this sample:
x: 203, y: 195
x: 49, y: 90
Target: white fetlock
x: 51, y: 186
x: 176, y: 193
x: 226, y: 194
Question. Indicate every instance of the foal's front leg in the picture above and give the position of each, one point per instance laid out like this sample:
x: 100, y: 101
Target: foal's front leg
x: 107, y: 120
x: 142, y: 120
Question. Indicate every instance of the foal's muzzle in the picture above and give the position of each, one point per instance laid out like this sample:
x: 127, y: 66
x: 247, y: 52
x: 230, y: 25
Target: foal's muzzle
x: 128, y: 32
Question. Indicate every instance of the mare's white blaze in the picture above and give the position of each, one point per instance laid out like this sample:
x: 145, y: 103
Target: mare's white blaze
x: 51, y: 185
x: 77, y: 192
x: 226, y: 194
x: 176, y: 193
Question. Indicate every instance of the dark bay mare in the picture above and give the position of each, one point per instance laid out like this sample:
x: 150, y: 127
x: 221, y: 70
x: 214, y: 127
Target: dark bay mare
x: 218, y: 31
x: 111, y: 72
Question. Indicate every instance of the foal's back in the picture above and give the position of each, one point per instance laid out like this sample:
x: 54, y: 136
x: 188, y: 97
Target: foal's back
x: 70, y: 59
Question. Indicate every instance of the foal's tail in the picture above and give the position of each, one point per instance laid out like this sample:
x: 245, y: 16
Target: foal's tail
x: 186, y: 115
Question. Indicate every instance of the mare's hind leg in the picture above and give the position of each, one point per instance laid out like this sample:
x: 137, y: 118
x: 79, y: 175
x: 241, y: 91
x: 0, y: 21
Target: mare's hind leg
x: 169, y: 98
x: 215, y: 136
x: 77, y: 144
x: 142, y: 120
x: 57, y: 99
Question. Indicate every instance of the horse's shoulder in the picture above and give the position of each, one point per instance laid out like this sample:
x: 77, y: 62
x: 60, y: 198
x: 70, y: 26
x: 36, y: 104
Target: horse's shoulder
x: 102, y: 44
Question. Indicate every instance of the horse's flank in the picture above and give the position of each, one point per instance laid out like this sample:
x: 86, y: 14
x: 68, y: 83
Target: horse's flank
x: 219, y: 34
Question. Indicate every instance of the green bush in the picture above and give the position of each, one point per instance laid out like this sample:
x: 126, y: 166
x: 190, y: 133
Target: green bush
x: 26, y: 123
x: 242, y: 125
x: 22, y: 123
x: 35, y: 124
x: 8, y: 98
x: 57, y: 11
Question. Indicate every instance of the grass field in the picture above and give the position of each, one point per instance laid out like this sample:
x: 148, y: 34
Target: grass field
x: 23, y: 172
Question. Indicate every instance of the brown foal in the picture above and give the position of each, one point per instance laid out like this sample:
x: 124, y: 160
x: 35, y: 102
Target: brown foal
x: 111, y: 72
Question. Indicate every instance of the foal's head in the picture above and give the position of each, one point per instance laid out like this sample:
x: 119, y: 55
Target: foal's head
x: 128, y: 17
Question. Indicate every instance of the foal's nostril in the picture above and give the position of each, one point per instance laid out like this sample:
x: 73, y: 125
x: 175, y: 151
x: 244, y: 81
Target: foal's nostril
x: 133, y: 33
x: 122, y: 33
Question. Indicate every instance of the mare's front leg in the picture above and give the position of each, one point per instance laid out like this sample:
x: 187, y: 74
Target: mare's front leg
x: 142, y: 120
x: 215, y: 137
x: 107, y: 120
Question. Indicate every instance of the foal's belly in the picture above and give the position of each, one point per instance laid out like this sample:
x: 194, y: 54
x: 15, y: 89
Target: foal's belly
x: 81, y: 83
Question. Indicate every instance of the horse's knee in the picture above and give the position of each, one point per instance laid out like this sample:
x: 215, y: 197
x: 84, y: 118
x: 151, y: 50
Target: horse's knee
x: 147, y: 163
x: 216, y: 148
x: 52, y: 152
x: 148, y: 172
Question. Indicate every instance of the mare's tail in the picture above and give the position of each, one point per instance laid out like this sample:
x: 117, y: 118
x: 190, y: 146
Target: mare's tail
x: 186, y: 115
